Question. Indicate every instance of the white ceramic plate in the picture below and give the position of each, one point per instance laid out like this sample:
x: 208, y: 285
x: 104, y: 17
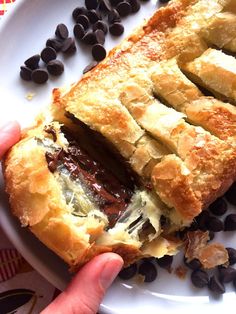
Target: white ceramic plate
x: 23, y: 32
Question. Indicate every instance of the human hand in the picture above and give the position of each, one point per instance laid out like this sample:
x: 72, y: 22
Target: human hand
x: 86, y: 291
x: 9, y: 135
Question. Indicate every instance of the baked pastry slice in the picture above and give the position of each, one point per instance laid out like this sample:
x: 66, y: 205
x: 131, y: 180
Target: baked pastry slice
x: 133, y: 152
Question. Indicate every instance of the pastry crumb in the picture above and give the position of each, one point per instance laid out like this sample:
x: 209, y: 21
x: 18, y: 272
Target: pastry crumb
x: 181, y: 272
x: 29, y: 96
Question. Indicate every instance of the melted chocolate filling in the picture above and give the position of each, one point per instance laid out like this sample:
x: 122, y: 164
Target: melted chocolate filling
x: 111, y: 195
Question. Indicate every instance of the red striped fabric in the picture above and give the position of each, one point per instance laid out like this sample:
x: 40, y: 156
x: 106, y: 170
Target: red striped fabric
x: 4, y: 6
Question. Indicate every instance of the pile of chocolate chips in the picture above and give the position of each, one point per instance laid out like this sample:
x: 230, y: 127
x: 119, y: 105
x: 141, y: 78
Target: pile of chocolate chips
x: 209, y: 221
x: 92, y: 24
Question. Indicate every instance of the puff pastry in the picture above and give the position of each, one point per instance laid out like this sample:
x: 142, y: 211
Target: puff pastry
x: 135, y: 150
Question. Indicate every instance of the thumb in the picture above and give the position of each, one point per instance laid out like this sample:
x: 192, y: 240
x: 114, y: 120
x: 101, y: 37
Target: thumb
x: 9, y: 135
x: 87, y: 289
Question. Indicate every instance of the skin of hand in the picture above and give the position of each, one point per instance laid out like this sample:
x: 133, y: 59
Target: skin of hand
x: 9, y: 135
x: 86, y: 291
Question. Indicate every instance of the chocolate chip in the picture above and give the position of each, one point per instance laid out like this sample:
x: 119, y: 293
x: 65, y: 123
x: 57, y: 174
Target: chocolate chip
x: 100, y: 25
x: 165, y: 261
x: 135, y: 5
x: 232, y: 255
x: 214, y: 224
x: 83, y: 20
x: 115, y: 2
x: 193, y: 264
x: 148, y: 270
x: 90, y: 67
x: 124, y: 8
x: 62, y: 31
x: 116, y: 29
x: 231, y: 194
x: 194, y: 226
x: 25, y: 73
x: 93, y: 16
x: 39, y: 76
x: 32, y: 62
x: 202, y: 220
x: 98, y: 52
x: 227, y: 274
x: 69, y: 46
x: 219, y: 207
x: 48, y: 54
x: 79, y: 31
x: 105, y: 5
x: 216, y: 286
x: 54, y: 43
x: 230, y: 222
x: 51, y: 161
x: 100, y: 36
x: 128, y: 272
x: 89, y: 38
x: 55, y: 67
x: 113, y: 16
x: 78, y: 11
x: 91, y: 4
x: 199, y: 278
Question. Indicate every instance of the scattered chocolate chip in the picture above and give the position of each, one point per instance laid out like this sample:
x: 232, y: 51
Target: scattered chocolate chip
x: 194, y: 226
x: 55, y: 67
x: 93, y: 16
x: 165, y: 261
x: 116, y: 29
x: 100, y: 25
x: 227, y: 274
x: 216, y: 286
x: 113, y: 16
x: 98, y: 52
x: 91, y: 4
x: 90, y: 67
x: 25, y: 73
x: 54, y: 43
x: 78, y: 11
x: 202, y: 220
x: 199, y: 278
x: 128, y: 272
x: 230, y: 222
x: 193, y: 264
x: 48, y: 54
x: 79, y: 31
x: 105, y: 5
x: 219, y: 207
x: 100, y: 36
x: 69, y: 46
x: 83, y: 20
x: 148, y: 270
x: 135, y: 5
x: 115, y: 2
x: 32, y: 62
x: 51, y: 161
x: 231, y: 194
x: 39, y: 76
x: 89, y: 38
x: 62, y: 31
x: 124, y: 8
x: 232, y: 255
x: 214, y: 224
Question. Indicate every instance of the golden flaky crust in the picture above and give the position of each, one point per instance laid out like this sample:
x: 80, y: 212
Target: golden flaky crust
x: 187, y: 152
